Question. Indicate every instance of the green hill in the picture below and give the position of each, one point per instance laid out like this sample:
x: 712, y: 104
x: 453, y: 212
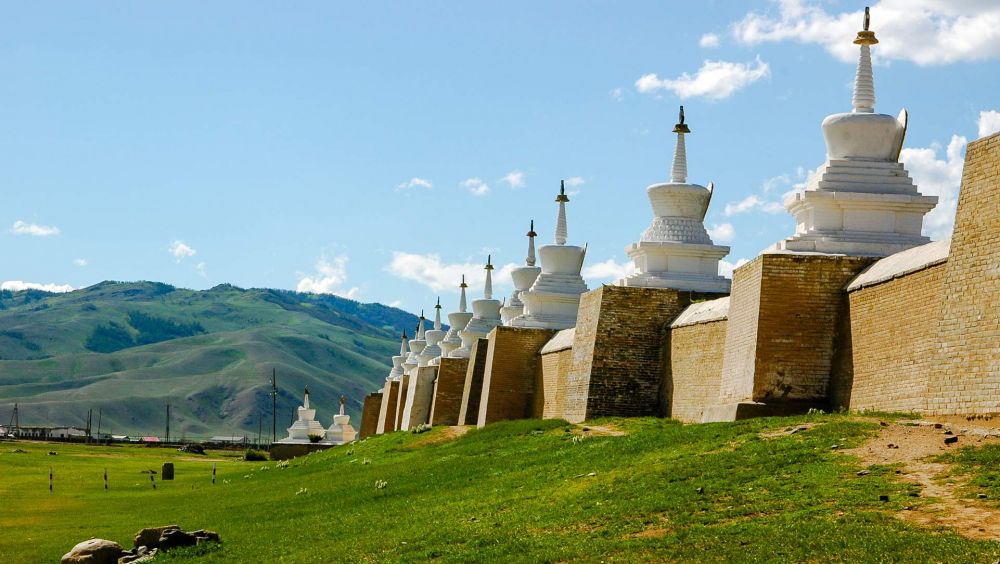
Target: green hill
x: 128, y: 349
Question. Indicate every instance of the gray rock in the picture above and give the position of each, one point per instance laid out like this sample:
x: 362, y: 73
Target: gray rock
x: 173, y: 538
x: 206, y: 536
x: 150, y: 537
x: 94, y: 551
x: 139, y: 556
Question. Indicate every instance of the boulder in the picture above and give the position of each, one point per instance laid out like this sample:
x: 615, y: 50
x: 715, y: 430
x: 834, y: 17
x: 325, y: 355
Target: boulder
x: 203, y: 535
x: 150, y: 537
x: 138, y: 556
x: 173, y: 538
x: 167, y: 471
x: 94, y: 551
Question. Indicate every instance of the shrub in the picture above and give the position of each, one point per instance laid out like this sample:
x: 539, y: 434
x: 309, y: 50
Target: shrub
x: 254, y: 455
x: 315, y: 438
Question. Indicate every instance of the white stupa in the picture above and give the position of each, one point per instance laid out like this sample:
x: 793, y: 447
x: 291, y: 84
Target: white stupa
x: 417, y: 344
x: 433, y: 349
x: 523, y: 277
x: 485, y: 316
x: 305, y: 425
x: 397, y: 361
x: 676, y: 250
x: 861, y: 201
x: 457, y: 321
x: 341, y: 432
x: 553, y: 299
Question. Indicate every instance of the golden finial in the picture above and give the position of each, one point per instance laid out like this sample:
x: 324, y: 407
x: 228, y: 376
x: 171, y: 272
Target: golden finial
x: 681, y: 127
x: 866, y: 37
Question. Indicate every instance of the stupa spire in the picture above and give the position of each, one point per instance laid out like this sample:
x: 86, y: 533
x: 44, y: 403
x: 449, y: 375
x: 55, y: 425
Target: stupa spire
x: 488, y: 288
x: 561, y: 199
x: 420, y: 326
x: 437, y: 315
x: 679, y: 172
x: 402, y: 346
x: 462, y: 305
x: 530, y: 261
x: 864, y: 80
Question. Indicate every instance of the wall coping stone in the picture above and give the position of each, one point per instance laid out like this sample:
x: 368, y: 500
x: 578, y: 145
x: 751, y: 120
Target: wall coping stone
x: 903, y: 263
x: 561, y: 341
x: 703, y: 312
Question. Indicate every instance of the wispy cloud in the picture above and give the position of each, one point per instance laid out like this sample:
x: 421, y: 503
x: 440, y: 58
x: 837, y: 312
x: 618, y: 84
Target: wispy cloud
x: 939, y: 177
x: 715, y: 80
x: 928, y: 32
x: 18, y: 285
x: 33, y: 229
x: 415, y: 183
x: 475, y: 186
x: 709, y: 40
x: 608, y: 270
x: 722, y: 233
x: 181, y: 250
x: 617, y: 94
x: 514, y: 179
x: 330, y: 278
x: 726, y: 268
x: 80, y: 262
x: 989, y: 122
x: 431, y: 271
x: 753, y: 203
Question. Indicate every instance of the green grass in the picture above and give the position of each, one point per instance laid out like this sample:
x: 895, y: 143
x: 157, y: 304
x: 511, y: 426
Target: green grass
x: 982, y: 464
x: 529, y: 491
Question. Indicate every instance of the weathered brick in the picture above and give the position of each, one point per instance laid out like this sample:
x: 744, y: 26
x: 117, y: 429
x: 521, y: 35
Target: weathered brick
x: 369, y: 414
x: 511, y: 371
x: 448, y: 390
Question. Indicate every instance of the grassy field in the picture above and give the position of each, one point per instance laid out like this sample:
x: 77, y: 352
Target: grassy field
x: 519, y: 491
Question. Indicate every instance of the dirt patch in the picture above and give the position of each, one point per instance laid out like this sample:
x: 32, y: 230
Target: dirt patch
x: 448, y: 434
x: 598, y: 431
x: 911, y: 444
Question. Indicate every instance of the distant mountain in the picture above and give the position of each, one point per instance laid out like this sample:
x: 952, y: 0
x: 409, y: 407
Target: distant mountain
x: 128, y: 349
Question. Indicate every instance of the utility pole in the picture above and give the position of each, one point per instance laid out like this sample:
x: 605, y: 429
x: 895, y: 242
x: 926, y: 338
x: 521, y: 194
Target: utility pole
x: 166, y: 439
x: 274, y: 404
x: 260, y: 425
x: 100, y: 413
x: 90, y: 419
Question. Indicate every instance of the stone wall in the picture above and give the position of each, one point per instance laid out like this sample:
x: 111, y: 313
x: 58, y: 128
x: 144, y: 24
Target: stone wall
x: 512, y: 368
x: 967, y: 379
x: 472, y: 388
x: 692, y: 369
x: 448, y: 390
x: 387, y: 413
x: 893, y: 343
x: 784, y: 316
x: 369, y: 414
x: 557, y: 360
x: 404, y: 389
x: 419, y: 397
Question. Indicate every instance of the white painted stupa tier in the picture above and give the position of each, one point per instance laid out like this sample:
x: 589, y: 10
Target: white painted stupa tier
x: 305, y: 425
x: 341, y: 431
x: 485, y: 316
x: 553, y: 299
x: 397, y: 361
x: 434, y: 337
x: 523, y: 277
x: 676, y: 250
x: 415, y: 346
x: 457, y: 321
x: 861, y: 201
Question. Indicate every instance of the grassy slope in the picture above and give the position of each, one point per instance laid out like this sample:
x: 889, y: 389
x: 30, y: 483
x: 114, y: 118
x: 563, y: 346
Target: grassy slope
x: 216, y: 382
x: 514, y: 491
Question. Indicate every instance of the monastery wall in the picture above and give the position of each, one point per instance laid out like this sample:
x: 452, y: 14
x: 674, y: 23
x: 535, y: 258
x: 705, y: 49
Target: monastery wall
x: 692, y: 369
x: 557, y: 360
x: 448, y: 390
x: 511, y: 371
x: 893, y: 343
x: 472, y: 388
x: 387, y: 413
x: 370, y: 414
x: 967, y: 378
x: 404, y: 388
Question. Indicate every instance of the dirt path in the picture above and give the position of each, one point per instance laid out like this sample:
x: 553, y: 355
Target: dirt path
x: 912, y: 444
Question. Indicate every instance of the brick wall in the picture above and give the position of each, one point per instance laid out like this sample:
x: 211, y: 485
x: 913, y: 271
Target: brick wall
x: 419, y: 397
x: 783, y: 319
x: 512, y: 367
x: 387, y: 414
x: 369, y: 415
x: 967, y: 379
x: 448, y: 390
x: 693, y: 370
x: 893, y: 342
x: 472, y: 389
x: 549, y: 397
x: 404, y: 389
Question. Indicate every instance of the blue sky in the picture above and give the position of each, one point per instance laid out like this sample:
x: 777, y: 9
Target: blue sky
x: 378, y: 150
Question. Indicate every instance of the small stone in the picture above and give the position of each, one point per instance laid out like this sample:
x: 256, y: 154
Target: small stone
x: 948, y: 432
x: 950, y: 440
x: 914, y: 494
x: 883, y: 498
x: 883, y: 423
x: 982, y: 496
x: 863, y: 473
x: 938, y: 425
x: 94, y: 551
x: 700, y: 490
x: 835, y: 447
x: 908, y: 508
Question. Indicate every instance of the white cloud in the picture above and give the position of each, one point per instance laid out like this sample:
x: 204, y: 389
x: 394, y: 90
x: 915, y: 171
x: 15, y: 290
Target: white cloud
x: 617, y: 94
x: 200, y: 267
x: 776, y: 181
x: 715, y: 80
x: 926, y: 32
x: 989, y: 122
x: 709, y: 40
x: 574, y: 181
x: 430, y: 271
x: 608, y: 270
x: 181, y: 250
x: 937, y: 177
x: 18, y: 285
x: 395, y: 303
x: 33, y: 229
x: 415, y: 183
x: 753, y: 203
x: 722, y: 232
x: 514, y: 178
x: 80, y: 262
x: 726, y: 268
x: 475, y: 186
x: 329, y: 278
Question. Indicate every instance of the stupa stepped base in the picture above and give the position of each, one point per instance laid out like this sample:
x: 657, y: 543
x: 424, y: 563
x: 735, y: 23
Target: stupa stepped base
x: 557, y: 284
x: 861, y: 175
x: 684, y: 281
x: 852, y: 243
